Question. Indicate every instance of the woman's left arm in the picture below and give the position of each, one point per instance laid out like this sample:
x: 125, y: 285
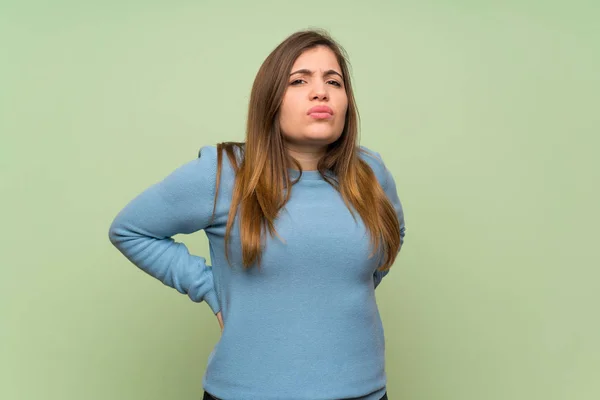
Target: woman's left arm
x: 389, y: 187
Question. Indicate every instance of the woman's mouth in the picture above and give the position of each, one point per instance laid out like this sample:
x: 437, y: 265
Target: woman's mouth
x: 320, y: 112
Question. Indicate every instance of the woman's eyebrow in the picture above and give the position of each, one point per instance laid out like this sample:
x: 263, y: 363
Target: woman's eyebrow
x: 305, y: 71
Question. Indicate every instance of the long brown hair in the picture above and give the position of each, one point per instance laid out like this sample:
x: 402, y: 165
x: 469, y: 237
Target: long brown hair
x: 261, y: 176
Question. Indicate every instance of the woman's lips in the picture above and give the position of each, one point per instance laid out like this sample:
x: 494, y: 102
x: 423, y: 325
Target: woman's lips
x: 320, y: 112
x: 317, y: 115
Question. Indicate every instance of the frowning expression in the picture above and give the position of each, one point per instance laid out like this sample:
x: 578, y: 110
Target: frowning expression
x: 314, y: 105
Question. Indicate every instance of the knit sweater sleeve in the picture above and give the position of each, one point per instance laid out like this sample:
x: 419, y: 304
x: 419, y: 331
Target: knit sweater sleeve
x: 389, y: 187
x: 181, y: 203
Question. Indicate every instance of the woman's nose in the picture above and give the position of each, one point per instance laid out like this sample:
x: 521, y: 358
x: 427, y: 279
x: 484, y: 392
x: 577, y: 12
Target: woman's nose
x: 319, y: 94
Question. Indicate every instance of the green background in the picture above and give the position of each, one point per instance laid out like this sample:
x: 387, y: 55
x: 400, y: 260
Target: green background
x: 487, y: 114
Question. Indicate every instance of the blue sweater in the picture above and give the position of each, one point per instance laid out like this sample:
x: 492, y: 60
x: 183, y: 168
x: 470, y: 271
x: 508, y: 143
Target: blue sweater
x: 306, y: 325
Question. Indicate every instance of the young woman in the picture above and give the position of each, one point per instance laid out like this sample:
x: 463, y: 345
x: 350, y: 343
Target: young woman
x: 303, y: 224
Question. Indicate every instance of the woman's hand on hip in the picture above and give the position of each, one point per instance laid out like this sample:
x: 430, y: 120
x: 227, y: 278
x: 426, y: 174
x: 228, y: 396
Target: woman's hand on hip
x: 220, y: 319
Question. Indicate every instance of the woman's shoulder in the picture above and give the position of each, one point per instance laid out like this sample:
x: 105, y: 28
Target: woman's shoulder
x: 209, y: 152
x: 231, y: 153
x: 368, y: 154
x: 375, y: 161
x: 200, y: 170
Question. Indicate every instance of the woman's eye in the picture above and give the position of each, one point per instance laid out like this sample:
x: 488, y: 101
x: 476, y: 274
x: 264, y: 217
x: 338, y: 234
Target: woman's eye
x: 333, y: 82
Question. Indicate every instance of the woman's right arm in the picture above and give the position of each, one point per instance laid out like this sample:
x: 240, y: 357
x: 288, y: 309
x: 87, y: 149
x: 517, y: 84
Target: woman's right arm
x: 181, y: 203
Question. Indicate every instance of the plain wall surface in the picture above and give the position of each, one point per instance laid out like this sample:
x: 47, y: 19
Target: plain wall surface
x: 486, y: 114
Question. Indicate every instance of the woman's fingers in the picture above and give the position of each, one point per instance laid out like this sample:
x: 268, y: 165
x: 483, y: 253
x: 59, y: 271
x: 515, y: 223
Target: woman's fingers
x: 220, y: 319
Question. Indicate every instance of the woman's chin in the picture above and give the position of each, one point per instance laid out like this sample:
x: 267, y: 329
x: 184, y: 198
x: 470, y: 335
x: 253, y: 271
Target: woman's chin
x: 321, y: 136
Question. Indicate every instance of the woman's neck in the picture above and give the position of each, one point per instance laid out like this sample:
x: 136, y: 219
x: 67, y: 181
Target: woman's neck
x: 307, y: 156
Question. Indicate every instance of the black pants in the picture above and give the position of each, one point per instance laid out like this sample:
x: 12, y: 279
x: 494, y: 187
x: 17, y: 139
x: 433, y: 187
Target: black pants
x: 207, y: 396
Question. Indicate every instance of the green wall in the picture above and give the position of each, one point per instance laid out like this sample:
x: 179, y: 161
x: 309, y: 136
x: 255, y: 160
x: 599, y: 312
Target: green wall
x: 487, y: 113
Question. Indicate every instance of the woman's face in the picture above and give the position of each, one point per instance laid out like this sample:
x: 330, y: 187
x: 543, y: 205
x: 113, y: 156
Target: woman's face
x: 315, y: 81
